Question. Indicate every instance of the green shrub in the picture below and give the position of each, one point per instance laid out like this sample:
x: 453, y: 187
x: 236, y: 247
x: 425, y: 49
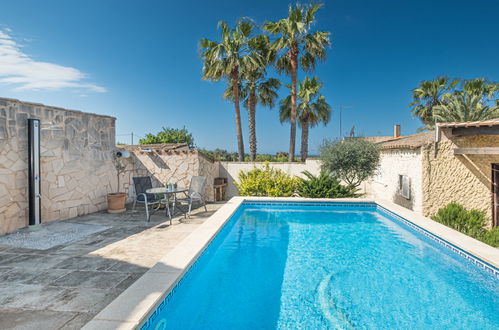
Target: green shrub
x: 352, y: 161
x: 323, y: 186
x: 491, y: 237
x: 266, y: 182
x: 469, y: 222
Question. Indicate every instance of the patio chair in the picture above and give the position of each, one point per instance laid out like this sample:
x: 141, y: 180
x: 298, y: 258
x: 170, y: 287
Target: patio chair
x: 195, y: 193
x: 141, y: 184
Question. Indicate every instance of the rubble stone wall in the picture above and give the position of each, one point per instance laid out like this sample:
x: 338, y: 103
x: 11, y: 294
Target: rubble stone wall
x: 169, y: 166
x: 75, y: 160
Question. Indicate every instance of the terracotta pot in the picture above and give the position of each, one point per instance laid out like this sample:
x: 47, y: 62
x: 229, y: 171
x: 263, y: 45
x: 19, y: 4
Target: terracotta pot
x: 116, y: 202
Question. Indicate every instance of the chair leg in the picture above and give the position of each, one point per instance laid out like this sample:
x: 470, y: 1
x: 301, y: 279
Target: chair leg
x: 147, y: 212
x: 134, y: 202
x: 190, y: 207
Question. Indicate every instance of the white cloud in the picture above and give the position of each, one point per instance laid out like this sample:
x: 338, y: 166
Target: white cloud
x: 20, y: 70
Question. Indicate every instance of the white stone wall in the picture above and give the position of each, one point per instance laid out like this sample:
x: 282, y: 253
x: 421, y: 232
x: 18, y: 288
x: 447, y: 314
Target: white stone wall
x: 175, y: 166
x: 76, y: 152
x: 230, y: 170
x: 385, y: 184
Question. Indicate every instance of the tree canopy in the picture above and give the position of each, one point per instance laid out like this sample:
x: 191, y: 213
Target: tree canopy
x: 169, y: 135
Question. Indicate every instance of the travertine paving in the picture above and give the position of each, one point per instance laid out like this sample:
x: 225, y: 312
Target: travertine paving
x: 65, y: 286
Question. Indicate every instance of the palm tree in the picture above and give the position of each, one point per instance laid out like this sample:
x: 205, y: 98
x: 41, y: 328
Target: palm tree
x: 465, y: 107
x: 227, y: 59
x: 255, y: 88
x: 312, y: 110
x: 299, y: 45
x: 428, y: 95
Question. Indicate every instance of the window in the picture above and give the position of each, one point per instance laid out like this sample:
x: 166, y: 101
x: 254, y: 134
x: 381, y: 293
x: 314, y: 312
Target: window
x: 404, y: 188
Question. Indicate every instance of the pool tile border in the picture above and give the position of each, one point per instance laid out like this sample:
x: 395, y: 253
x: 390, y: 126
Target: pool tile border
x: 142, y: 318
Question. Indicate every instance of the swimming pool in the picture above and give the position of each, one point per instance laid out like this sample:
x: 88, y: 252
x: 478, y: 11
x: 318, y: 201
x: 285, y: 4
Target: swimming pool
x: 329, y: 265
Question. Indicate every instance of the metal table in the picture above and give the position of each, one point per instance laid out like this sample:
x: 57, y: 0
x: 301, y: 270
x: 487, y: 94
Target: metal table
x: 168, y: 193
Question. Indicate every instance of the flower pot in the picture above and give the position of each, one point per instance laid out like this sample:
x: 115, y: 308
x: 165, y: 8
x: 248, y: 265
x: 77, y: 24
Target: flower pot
x: 116, y: 202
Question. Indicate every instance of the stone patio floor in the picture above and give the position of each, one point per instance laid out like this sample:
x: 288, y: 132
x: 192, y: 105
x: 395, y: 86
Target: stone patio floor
x: 67, y: 285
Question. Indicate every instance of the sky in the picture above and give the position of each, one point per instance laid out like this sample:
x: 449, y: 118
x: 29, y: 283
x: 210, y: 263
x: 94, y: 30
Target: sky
x: 139, y: 61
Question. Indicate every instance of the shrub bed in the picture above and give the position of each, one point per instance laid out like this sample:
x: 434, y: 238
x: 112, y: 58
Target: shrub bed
x: 469, y: 222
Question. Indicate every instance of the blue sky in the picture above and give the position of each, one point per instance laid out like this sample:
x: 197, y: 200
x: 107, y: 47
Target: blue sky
x: 139, y: 61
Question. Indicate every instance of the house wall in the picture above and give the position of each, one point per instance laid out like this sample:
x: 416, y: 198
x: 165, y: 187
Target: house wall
x: 230, y: 170
x: 465, y: 179
x: 163, y: 166
x: 385, y: 184
x: 76, y: 153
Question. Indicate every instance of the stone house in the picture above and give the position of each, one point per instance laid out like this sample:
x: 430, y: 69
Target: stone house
x: 456, y: 162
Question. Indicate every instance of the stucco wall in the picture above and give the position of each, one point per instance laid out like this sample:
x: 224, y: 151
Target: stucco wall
x: 177, y: 166
x: 76, y: 152
x: 230, y: 170
x: 385, y: 184
x: 465, y: 179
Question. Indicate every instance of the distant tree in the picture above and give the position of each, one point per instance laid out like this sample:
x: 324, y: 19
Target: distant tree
x: 227, y: 59
x: 353, y: 160
x: 428, y: 95
x: 464, y: 107
x: 444, y: 99
x: 311, y: 110
x: 298, y: 45
x: 170, y: 135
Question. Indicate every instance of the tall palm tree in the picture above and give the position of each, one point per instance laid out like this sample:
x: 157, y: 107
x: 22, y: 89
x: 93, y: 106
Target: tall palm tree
x: 227, y: 59
x: 465, y: 107
x: 255, y: 88
x: 312, y: 110
x: 299, y: 46
x: 428, y: 95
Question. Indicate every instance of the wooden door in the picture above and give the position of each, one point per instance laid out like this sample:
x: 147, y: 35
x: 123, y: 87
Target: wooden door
x: 495, y: 195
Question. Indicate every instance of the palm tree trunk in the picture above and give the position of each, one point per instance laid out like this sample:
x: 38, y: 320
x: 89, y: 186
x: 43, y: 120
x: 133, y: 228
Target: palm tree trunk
x: 239, y: 130
x: 304, y: 139
x: 252, y: 123
x: 292, y: 136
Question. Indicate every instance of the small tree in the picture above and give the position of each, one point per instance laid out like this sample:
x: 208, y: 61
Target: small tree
x: 352, y: 161
x: 120, y: 167
x: 170, y: 135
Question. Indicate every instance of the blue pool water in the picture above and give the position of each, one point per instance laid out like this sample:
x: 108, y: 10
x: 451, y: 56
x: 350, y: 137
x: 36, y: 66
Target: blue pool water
x: 328, y: 267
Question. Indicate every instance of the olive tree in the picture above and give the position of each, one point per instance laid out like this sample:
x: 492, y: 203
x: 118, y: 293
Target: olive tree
x: 352, y: 160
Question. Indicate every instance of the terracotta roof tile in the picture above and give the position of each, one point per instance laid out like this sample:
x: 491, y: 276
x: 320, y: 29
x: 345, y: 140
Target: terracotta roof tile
x: 411, y: 142
x: 490, y: 122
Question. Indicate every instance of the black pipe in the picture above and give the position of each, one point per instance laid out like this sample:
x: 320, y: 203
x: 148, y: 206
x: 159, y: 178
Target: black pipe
x: 34, y: 196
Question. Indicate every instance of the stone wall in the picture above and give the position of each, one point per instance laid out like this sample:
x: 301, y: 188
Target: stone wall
x: 76, y: 152
x: 230, y: 170
x: 465, y: 179
x: 385, y: 184
x: 169, y: 166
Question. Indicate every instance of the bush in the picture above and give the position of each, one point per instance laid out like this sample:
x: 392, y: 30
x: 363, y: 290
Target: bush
x: 469, y: 222
x: 491, y: 237
x: 169, y: 135
x: 352, y: 161
x: 266, y: 182
x: 323, y: 186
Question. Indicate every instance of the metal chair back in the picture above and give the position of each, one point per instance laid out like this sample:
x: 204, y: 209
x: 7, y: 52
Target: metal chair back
x: 196, y: 187
x: 141, y: 184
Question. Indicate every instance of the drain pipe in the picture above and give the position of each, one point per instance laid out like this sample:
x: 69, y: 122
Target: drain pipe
x: 34, y: 196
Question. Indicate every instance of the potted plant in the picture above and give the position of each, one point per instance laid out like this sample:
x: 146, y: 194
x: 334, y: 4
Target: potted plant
x: 116, y: 201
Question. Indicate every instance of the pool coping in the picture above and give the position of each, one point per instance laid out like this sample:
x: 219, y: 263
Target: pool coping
x: 130, y: 309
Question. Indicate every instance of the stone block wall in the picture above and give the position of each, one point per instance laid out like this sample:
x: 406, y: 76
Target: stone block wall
x: 168, y: 166
x: 466, y: 179
x: 385, y: 184
x: 76, y: 153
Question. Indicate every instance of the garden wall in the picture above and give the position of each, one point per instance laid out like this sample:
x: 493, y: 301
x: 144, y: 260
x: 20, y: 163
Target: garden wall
x: 385, y: 183
x: 230, y: 170
x: 168, y: 164
x: 466, y: 179
x: 76, y: 152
